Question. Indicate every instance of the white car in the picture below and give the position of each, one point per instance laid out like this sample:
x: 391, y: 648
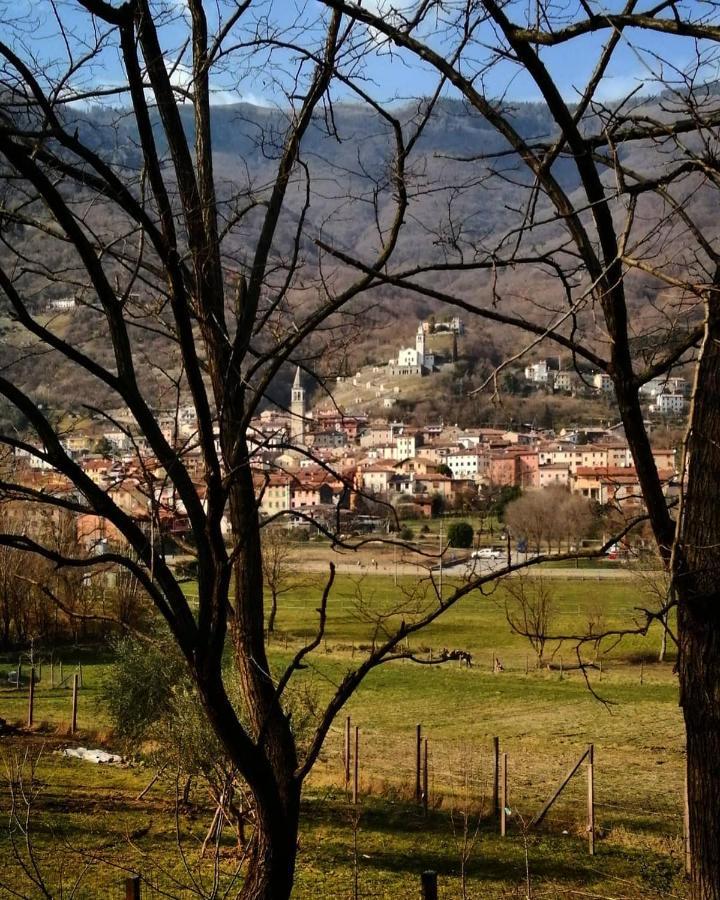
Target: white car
x: 487, y: 553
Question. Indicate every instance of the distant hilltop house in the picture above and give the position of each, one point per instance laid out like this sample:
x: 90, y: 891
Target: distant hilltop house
x: 413, y: 360
x: 669, y: 404
x: 62, y: 304
x: 665, y: 385
x: 453, y: 325
x: 539, y: 372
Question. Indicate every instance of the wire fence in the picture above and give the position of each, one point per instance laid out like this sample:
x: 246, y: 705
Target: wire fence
x: 647, y: 792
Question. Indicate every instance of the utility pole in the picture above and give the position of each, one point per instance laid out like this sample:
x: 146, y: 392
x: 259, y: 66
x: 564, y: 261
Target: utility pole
x: 441, y: 558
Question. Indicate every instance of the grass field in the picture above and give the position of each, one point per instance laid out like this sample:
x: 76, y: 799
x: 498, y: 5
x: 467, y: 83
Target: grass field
x: 544, y: 720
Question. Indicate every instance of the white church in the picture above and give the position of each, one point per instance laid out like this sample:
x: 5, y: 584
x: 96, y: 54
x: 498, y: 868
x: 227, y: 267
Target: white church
x: 413, y: 360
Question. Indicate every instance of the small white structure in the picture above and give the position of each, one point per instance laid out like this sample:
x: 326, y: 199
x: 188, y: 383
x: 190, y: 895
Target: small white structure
x: 63, y: 304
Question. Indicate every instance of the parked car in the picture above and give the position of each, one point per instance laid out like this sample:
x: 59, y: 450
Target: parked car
x: 487, y: 553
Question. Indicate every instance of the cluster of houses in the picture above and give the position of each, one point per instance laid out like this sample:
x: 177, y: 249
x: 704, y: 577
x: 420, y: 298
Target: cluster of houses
x: 318, y: 464
x: 665, y: 395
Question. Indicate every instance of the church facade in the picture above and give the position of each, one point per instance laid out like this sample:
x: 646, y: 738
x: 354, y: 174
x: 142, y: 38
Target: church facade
x: 413, y: 360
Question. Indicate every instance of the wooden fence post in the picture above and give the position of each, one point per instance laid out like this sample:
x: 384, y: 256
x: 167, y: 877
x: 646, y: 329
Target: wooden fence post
x: 503, y: 795
x: 429, y: 887
x: 346, y: 751
x: 80, y: 674
x: 496, y: 777
x: 686, y: 827
x: 356, y: 767
x: 31, y: 698
x: 418, y: 756
x: 132, y: 888
x: 73, y: 726
x: 19, y: 675
x: 52, y: 673
x: 556, y: 793
x: 39, y: 678
x: 591, y: 799
x: 425, y: 777
x: 61, y: 675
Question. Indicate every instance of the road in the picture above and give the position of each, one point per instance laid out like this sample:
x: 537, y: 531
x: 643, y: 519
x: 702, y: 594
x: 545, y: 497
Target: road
x: 365, y: 564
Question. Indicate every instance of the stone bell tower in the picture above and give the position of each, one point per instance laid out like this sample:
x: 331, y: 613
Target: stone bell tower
x: 297, y: 411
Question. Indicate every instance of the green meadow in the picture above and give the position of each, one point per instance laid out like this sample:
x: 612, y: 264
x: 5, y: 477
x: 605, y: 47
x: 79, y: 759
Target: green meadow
x: 87, y: 829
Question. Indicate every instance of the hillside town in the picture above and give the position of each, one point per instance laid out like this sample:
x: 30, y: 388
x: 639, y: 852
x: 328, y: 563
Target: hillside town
x: 321, y: 466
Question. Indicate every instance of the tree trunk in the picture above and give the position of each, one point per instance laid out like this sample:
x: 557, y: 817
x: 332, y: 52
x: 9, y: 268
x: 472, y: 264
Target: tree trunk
x: 271, y: 865
x: 269, y: 774
x: 663, y: 637
x: 698, y: 591
x: 274, y: 786
x: 273, y: 612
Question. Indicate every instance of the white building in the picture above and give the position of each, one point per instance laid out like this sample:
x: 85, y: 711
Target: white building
x: 568, y: 381
x: 405, y: 446
x: 602, y: 382
x: 663, y: 384
x: 467, y: 464
x: 669, y: 404
x: 538, y: 372
x: 63, y: 304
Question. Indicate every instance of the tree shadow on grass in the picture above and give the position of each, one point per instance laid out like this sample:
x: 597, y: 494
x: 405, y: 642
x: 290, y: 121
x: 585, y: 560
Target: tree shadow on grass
x: 397, y: 839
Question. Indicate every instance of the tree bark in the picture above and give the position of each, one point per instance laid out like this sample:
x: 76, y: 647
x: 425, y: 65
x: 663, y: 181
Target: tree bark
x: 697, y: 572
x: 271, y: 868
x: 269, y: 770
x: 273, y: 611
x: 274, y: 785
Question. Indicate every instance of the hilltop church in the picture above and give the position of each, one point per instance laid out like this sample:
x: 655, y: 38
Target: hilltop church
x: 413, y: 360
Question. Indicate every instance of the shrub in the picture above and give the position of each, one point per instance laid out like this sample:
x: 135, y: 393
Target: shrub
x: 460, y: 534
x: 407, y: 534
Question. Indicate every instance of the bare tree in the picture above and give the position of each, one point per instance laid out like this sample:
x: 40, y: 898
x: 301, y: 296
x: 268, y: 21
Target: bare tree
x: 278, y: 570
x: 530, y: 609
x: 599, y: 217
x: 11, y: 596
x: 550, y: 516
x: 529, y: 517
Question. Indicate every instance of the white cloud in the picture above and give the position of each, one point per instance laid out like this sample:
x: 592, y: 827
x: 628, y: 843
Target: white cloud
x: 382, y: 10
x: 180, y: 75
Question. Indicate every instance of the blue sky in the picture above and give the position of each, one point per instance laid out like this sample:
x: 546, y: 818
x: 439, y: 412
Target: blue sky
x: 640, y: 59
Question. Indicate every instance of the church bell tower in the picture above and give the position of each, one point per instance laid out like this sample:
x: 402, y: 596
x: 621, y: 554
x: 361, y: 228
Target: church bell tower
x: 420, y: 345
x: 297, y: 411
